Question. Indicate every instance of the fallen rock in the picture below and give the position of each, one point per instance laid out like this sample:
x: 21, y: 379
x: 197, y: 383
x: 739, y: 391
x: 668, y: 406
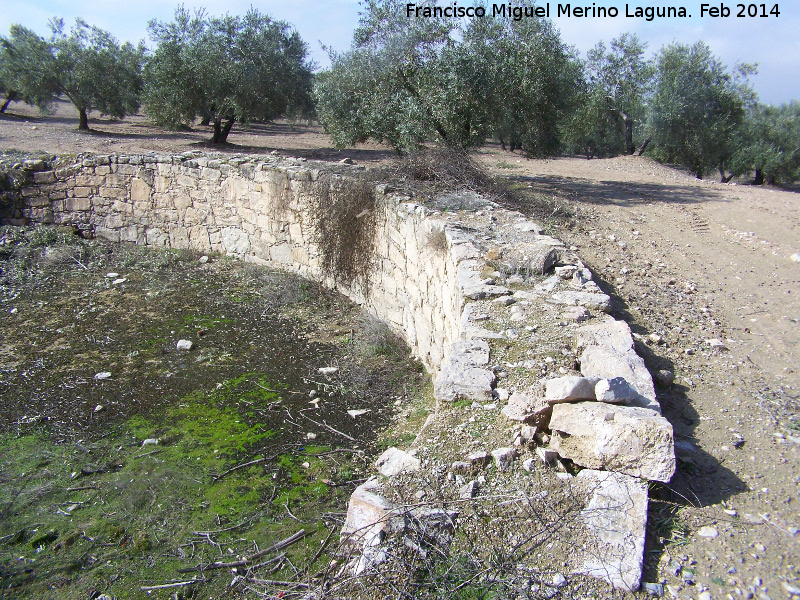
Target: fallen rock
x: 479, y: 459
x: 547, y: 455
x: 327, y: 371
x: 605, y: 362
x: 624, y: 439
x: 615, y: 391
x: 590, y: 300
x: 527, y: 409
x: 569, y: 389
x: 503, y: 457
x: 366, y: 509
x: 468, y: 491
x: 616, y: 517
x: 394, y: 461
x: 709, y: 532
x: 665, y: 377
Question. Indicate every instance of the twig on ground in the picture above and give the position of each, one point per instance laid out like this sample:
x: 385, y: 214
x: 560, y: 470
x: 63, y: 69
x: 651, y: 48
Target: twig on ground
x: 328, y: 427
x: 166, y: 586
x: 241, y: 563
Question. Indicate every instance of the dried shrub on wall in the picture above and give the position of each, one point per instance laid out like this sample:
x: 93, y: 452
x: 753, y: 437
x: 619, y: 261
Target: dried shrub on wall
x: 344, y: 211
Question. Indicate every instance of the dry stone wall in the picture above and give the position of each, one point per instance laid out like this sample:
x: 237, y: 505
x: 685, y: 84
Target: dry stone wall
x: 258, y: 209
x: 462, y: 280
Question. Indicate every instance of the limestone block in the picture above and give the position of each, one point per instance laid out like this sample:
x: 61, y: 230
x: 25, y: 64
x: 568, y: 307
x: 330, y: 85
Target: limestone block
x: 281, y: 254
x: 81, y: 192
x: 235, y: 241
x: 604, y: 362
x: 179, y: 237
x: 107, y: 234
x: 44, y: 177
x: 615, y: 391
x: 186, y: 181
x: 213, y: 175
x: 568, y: 389
x: 610, y: 333
x: 161, y: 184
x: 112, y: 192
x: 458, y: 381
x: 473, y: 286
x: 624, y: 439
x: 199, y: 238
x: 77, y: 204
x: 394, y: 461
x: 616, y: 518
x: 592, y: 301
x: 527, y: 408
x: 365, y: 509
x: 140, y: 191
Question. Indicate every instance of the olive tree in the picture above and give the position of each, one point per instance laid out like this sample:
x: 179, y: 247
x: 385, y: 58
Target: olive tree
x: 409, y: 80
x: 768, y: 144
x: 91, y: 69
x: 697, y: 107
x: 226, y: 70
x: 25, y: 68
x: 613, y: 106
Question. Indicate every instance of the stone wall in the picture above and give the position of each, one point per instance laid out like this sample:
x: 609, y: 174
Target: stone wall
x: 257, y: 209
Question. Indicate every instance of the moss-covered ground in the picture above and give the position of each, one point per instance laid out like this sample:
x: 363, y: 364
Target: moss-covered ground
x: 125, y: 462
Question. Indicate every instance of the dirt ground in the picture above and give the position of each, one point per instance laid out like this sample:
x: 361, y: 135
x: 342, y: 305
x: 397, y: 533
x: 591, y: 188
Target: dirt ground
x: 702, y: 272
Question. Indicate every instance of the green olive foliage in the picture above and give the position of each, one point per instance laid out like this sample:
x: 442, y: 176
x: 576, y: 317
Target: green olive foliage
x: 225, y: 70
x: 697, y: 107
x: 406, y: 81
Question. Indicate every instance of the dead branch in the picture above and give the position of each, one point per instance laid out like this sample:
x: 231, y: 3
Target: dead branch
x: 166, y: 586
x: 328, y: 427
x: 241, y: 563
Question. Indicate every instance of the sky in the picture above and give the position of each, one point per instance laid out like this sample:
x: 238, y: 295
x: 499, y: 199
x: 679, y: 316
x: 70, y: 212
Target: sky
x: 772, y: 42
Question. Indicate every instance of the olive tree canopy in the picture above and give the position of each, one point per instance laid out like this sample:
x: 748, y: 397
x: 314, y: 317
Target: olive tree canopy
x: 225, y: 69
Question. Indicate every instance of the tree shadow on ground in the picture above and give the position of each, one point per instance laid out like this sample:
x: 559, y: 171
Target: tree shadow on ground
x: 620, y: 193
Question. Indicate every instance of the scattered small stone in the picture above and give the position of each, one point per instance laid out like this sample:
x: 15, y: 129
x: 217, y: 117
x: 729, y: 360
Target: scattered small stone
x: 674, y: 591
x: 654, y: 589
x: 501, y: 394
x: 184, y: 345
x: 327, y: 370
x: 305, y: 465
x: 468, y: 491
x: 98, y: 408
x: 103, y: 375
x: 655, y: 338
x: 203, y: 259
x: 716, y: 344
x: 527, y: 432
x: 119, y: 281
x: 564, y: 476
x: 665, y: 377
x: 547, y: 456
x: 478, y: 459
x: 705, y: 596
x: 311, y: 436
x: 150, y: 442
x: 559, y: 580
x: 505, y: 300
x: 503, y: 457
x: 795, y: 257
x: 528, y: 465
x: 708, y: 531
x: 791, y: 589
x: 112, y: 275
x: 358, y: 413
